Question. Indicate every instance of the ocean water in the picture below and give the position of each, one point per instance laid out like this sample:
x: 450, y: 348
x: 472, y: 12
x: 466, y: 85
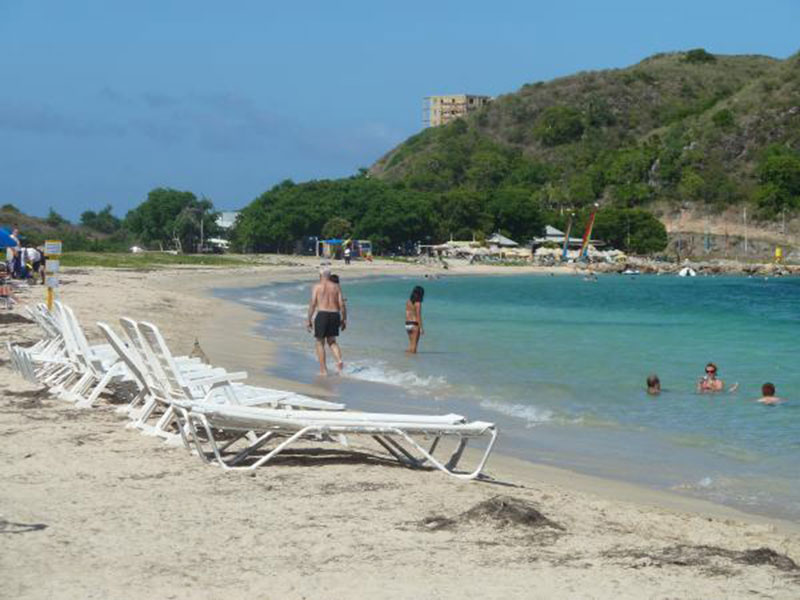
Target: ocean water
x: 560, y: 364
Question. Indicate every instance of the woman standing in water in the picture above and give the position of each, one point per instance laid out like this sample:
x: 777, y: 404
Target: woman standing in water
x: 414, y: 318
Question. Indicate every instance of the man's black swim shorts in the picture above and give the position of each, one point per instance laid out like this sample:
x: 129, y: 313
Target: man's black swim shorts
x: 326, y: 324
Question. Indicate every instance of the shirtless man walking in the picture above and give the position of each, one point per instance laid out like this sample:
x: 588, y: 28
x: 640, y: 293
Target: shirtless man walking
x: 328, y: 304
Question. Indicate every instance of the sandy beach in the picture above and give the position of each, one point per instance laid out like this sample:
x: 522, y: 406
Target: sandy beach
x: 90, y: 509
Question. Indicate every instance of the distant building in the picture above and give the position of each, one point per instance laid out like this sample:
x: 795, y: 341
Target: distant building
x: 439, y: 110
x: 555, y: 236
x: 227, y: 219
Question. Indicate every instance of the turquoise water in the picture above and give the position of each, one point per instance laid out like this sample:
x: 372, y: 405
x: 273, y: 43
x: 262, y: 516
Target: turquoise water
x: 560, y: 364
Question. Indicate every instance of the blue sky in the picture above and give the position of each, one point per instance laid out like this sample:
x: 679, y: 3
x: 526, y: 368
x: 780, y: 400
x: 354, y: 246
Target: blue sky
x: 102, y: 101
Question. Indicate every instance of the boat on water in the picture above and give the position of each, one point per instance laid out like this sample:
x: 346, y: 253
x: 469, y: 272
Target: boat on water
x: 687, y: 272
x: 631, y: 272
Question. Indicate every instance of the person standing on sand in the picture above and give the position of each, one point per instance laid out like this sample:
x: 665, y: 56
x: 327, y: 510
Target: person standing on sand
x: 414, y: 318
x: 328, y: 311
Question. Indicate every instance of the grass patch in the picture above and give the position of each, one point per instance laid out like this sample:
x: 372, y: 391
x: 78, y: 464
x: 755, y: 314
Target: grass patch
x: 124, y: 260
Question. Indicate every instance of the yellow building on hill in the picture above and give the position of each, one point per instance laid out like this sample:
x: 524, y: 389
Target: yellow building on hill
x: 439, y: 110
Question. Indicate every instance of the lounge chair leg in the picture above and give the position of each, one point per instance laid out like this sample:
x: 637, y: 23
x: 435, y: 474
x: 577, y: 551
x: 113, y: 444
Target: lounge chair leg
x: 164, y: 421
x: 400, y: 458
x: 410, y: 458
x: 190, y: 418
x: 182, y: 417
x: 130, y: 406
x: 99, y: 389
x: 444, y: 468
x: 75, y: 392
x: 279, y: 448
x: 252, y: 448
x: 144, y: 414
x: 431, y: 450
x: 456, y: 456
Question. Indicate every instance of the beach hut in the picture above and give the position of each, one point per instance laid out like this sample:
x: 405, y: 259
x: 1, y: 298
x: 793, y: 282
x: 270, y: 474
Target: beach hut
x: 501, y: 241
x: 556, y: 236
x: 331, y: 248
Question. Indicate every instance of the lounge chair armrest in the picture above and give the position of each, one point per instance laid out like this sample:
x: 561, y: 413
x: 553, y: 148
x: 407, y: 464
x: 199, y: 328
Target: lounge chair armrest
x: 221, y: 378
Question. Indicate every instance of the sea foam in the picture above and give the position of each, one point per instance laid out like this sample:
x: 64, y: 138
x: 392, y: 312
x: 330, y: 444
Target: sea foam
x: 532, y: 415
x: 380, y: 372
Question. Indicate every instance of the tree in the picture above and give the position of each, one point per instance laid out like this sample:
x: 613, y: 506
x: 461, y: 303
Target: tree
x: 487, y: 169
x: 699, y: 56
x: 779, y: 176
x: 517, y: 211
x: 461, y: 214
x: 54, y: 219
x: 630, y: 229
x: 103, y: 221
x: 172, y: 217
x: 559, y: 125
x: 692, y: 186
x: 337, y: 227
x: 629, y: 166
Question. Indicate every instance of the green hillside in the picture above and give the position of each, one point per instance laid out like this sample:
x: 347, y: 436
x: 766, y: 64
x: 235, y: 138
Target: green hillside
x: 35, y: 230
x: 678, y: 133
x: 681, y: 127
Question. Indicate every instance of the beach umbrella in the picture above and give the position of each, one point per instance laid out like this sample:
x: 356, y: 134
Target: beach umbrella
x: 6, y: 240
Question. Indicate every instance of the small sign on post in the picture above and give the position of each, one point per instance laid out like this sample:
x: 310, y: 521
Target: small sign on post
x: 52, y: 253
x: 52, y: 248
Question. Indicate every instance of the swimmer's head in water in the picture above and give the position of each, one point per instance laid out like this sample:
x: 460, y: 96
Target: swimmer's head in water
x: 653, y: 381
x: 711, y: 369
x: 768, y: 389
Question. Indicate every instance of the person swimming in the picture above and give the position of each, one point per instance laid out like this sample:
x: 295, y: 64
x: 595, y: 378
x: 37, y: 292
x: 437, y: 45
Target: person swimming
x: 653, y: 385
x: 768, y: 396
x: 709, y: 382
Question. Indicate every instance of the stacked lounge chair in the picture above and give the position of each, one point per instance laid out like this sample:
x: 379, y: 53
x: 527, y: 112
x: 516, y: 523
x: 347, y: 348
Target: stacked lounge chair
x: 223, y: 420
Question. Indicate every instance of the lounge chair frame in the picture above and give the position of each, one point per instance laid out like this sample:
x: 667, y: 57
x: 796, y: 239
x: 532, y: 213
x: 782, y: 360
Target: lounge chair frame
x: 198, y: 425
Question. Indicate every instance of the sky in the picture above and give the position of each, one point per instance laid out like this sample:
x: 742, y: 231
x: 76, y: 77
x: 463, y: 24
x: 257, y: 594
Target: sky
x: 102, y: 101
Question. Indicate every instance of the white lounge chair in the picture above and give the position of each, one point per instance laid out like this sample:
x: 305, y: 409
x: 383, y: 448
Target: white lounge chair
x: 44, y: 362
x: 218, y: 387
x: 97, y: 365
x: 201, y: 424
x: 164, y: 382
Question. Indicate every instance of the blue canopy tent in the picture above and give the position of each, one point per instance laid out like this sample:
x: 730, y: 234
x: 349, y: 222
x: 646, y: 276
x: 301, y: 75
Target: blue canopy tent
x: 5, y: 239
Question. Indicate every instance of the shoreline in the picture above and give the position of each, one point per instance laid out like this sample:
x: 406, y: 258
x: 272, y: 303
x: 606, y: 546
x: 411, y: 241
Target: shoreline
x: 321, y: 517
x: 523, y: 468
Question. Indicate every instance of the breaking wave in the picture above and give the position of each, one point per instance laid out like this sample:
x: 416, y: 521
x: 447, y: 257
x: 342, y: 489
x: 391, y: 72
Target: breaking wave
x: 532, y: 415
x: 379, y: 372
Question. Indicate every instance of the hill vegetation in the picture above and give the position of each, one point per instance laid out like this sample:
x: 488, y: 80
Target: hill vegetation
x: 683, y: 127
x: 675, y: 131
x: 167, y: 219
x: 686, y: 129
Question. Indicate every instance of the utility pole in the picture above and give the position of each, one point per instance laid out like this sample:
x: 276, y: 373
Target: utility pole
x: 744, y: 216
x: 629, y: 233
